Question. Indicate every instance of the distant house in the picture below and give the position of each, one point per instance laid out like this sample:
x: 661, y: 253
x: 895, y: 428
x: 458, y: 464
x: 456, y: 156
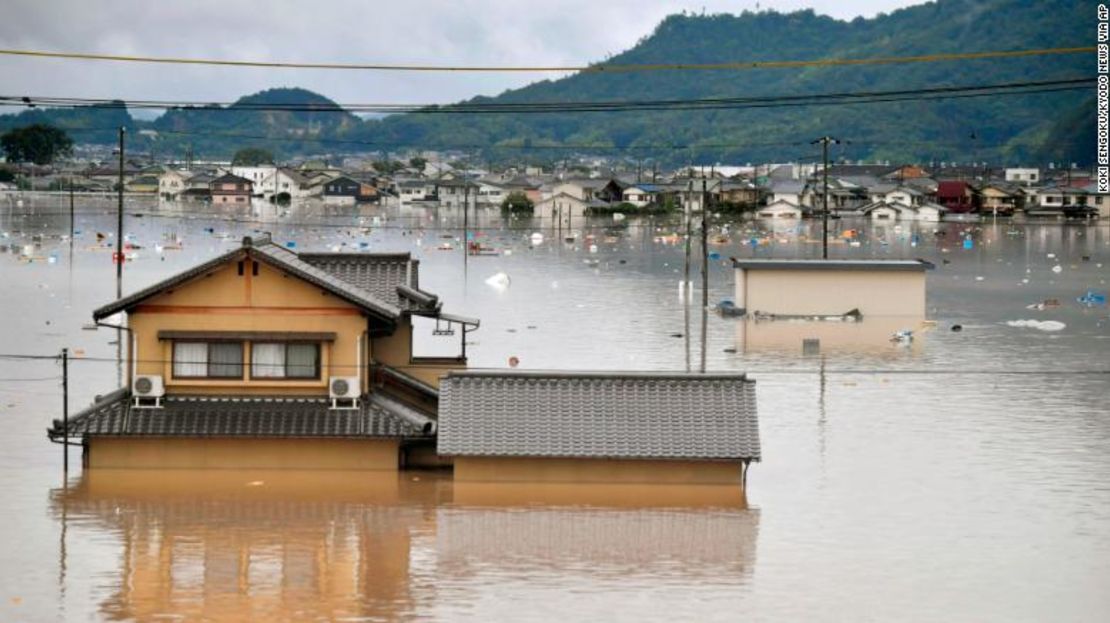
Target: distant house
x: 490, y: 194
x: 258, y: 175
x: 342, y: 190
x: 416, y: 191
x: 997, y: 199
x: 231, y: 189
x: 287, y: 184
x: 561, y: 210
x: 789, y: 191
x: 1097, y: 200
x: 172, y: 183
x: 888, y: 211
x: 1024, y: 176
x: 956, y: 196
x: 142, y: 184
x: 904, y: 195
x: 640, y: 195
x: 740, y: 193
x: 780, y: 208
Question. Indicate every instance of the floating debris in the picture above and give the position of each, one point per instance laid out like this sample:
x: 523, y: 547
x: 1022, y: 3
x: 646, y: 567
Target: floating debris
x: 1042, y: 325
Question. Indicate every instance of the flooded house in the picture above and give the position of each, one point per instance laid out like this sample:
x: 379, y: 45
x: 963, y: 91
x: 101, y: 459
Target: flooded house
x: 230, y: 188
x: 265, y: 358
x: 820, y: 288
x: 815, y: 305
x: 598, y: 427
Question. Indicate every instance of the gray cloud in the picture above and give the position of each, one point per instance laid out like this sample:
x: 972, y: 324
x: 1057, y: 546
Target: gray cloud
x: 498, y: 32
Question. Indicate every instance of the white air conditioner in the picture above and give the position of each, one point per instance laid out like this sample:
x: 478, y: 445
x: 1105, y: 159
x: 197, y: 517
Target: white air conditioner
x: 147, y: 391
x: 344, y: 392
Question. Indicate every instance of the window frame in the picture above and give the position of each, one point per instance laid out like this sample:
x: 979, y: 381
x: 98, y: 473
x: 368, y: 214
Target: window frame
x: 207, y: 361
x: 317, y: 372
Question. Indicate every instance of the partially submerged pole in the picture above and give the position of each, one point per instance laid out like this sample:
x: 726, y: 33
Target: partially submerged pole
x: 119, y: 221
x: 65, y: 410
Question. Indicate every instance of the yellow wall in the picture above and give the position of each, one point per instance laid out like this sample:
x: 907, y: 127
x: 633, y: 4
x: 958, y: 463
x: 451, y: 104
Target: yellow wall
x: 515, y: 469
x: 394, y: 350
x: 827, y: 292
x: 270, y: 301
x: 237, y: 453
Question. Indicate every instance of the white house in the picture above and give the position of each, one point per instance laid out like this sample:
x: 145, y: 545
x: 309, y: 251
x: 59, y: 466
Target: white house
x: 490, y: 194
x: 1098, y: 200
x: 780, y: 209
x: 788, y: 191
x: 888, y: 211
x: 930, y: 212
x: 640, y: 195
x: 1023, y: 176
x: 561, y: 210
x: 415, y: 191
x: 257, y: 175
x: 172, y: 183
x: 291, y: 184
x: 904, y: 195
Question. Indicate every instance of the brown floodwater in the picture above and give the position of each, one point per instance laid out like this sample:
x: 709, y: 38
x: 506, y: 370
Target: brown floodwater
x: 962, y: 476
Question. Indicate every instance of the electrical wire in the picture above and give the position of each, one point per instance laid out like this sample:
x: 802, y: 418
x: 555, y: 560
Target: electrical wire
x: 595, y: 68
x: 732, y: 103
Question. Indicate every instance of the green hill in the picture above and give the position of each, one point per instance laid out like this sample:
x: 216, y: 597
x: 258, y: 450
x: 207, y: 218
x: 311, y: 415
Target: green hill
x: 1010, y: 128
x: 1015, y: 128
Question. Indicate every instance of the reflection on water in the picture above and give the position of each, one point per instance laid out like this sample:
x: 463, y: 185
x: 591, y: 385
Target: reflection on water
x: 229, y: 545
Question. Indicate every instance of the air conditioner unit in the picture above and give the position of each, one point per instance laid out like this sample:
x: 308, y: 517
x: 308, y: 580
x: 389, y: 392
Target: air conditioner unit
x: 147, y: 391
x: 344, y: 392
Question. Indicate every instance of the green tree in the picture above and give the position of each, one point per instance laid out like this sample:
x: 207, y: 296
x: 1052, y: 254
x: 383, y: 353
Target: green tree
x: 517, y: 202
x: 417, y: 162
x: 38, y: 143
x: 387, y: 167
x: 252, y: 157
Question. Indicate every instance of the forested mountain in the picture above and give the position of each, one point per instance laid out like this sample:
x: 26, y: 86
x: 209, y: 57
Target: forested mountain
x: 1031, y: 127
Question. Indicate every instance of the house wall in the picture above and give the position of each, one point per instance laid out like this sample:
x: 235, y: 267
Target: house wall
x: 532, y: 469
x: 395, y: 350
x: 827, y: 292
x: 270, y: 301
x: 239, y: 453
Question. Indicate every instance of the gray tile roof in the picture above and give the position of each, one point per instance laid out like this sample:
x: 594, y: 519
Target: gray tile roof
x: 391, y: 277
x: 212, y: 416
x: 273, y: 255
x: 598, y: 415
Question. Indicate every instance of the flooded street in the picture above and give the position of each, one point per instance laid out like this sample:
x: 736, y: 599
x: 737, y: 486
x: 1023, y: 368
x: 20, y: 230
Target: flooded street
x: 960, y: 476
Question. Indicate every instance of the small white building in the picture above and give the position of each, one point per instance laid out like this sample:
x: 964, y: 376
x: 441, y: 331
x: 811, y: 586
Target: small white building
x: 258, y: 176
x: 904, y: 195
x: 490, y: 194
x: 640, y: 195
x: 1025, y: 176
x: 930, y: 212
x: 780, y: 209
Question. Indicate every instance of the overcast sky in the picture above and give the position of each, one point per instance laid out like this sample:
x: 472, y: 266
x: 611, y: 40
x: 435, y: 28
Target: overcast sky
x: 497, y: 32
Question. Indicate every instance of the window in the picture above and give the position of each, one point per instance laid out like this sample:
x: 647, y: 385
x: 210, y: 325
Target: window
x: 214, y: 360
x: 293, y: 360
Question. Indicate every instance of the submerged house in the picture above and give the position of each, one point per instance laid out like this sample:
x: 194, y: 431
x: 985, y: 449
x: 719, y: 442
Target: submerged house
x: 646, y: 427
x: 812, y: 288
x: 265, y: 358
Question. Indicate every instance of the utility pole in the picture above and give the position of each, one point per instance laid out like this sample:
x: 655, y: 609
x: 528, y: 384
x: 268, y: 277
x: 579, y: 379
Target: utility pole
x: 687, y: 210
x: 119, y: 221
x: 466, y: 223
x: 65, y: 410
x: 704, y: 268
x: 71, y: 210
x: 825, y: 140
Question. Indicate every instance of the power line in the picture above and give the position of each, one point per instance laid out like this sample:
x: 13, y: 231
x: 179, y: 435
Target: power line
x: 729, y: 103
x: 595, y: 68
x: 861, y: 371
